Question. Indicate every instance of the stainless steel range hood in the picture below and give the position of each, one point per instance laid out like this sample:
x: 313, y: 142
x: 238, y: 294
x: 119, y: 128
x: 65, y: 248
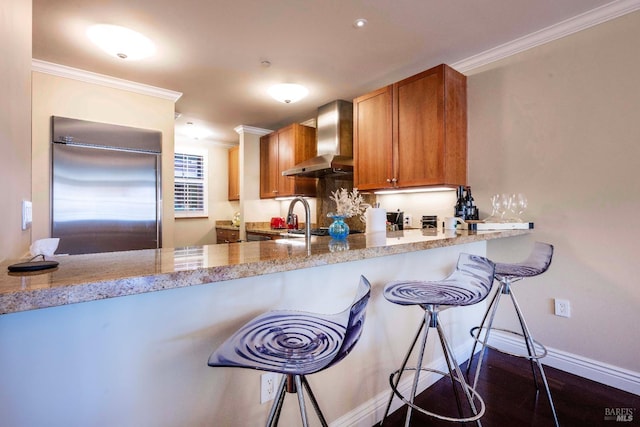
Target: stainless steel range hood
x: 334, y: 133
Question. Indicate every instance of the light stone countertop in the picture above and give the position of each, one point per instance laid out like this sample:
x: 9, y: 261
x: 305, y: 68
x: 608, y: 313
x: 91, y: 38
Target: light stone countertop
x: 82, y: 278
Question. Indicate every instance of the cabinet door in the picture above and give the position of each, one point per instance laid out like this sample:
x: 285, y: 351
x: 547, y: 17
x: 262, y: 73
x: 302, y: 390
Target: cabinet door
x: 419, y: 129
x: 282, y: 150
x: 269, y: 166
x: 286, y: 160
x: 430, y: 128
x: 373, y: 148
x: 234, y: 174
x: 303, y: 148
x: 226, y: 236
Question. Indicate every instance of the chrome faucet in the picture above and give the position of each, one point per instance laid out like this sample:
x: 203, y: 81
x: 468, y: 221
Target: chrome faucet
x: 307, y: 217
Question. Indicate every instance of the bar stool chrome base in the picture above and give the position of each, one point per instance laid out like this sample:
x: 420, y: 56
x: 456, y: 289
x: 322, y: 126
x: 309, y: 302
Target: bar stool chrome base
x: 293, y: 384
x: 539, y: 350
x: 468, y: 284
x: 474, y: 395
x: 431, y: 320
x: 506, y: 274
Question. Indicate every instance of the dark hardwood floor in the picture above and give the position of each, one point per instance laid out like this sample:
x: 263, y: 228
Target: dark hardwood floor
x: 507, y: 387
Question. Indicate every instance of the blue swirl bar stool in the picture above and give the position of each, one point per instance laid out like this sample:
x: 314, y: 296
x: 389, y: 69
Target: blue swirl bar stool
x: 536, y: 263
x: 295, y: 344
x: 468, y: 284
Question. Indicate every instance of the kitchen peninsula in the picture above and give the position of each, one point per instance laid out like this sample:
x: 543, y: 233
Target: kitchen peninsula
x: 82, y: 278
x: 90, y: 358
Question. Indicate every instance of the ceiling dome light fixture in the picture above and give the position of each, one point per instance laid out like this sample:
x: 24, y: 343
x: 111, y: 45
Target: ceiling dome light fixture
x: 288, y: 92
x: 121, y: 42
x: 360, y: 23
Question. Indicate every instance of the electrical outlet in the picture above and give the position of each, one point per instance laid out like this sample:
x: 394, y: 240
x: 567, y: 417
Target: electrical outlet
x: 407, y: 220
x: 562, y: 307
x: 268, y: 386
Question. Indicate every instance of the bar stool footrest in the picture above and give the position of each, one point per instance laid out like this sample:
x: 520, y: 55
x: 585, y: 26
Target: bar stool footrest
x: 539, y: 350
x: 474, y: 395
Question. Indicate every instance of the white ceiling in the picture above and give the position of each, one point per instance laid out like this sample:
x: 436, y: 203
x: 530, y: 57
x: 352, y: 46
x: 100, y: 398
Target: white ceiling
x: 211, y: 50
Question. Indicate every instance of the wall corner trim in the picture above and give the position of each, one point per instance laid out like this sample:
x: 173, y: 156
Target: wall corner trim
x: 252, y: 130
x: 567, y: 27
x: 102, y: 80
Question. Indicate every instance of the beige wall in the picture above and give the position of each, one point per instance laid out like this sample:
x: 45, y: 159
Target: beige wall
x: 58, y: 96
x: 15, y: 131
x: 560, y: 123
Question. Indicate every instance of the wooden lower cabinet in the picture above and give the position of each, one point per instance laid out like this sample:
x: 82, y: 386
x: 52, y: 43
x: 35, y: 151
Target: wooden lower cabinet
x: 253, y: 236
x: 224, y: 235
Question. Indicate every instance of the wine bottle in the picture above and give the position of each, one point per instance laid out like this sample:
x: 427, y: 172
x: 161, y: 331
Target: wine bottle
x: 460, y: 209
x: 471, y: 209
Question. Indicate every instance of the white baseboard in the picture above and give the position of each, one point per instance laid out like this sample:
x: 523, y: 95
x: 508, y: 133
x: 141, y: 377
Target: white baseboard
x: 594, y: 370
x: 371, y: 412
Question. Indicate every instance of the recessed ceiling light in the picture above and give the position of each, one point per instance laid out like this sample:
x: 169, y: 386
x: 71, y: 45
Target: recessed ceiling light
x: 192, y: 130
x: 288, y: 92
x: 121, y: 42
x: 359, y: 23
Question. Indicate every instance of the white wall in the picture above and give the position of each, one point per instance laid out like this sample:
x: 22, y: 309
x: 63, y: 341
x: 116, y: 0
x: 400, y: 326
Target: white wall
x: 560, y: 123
x: 15, y: 128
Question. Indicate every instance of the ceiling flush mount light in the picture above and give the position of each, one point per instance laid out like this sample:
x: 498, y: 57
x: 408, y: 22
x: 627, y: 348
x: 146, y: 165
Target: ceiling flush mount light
x: 121, y: 42
x: 288, y: 92
x: 359, y: 23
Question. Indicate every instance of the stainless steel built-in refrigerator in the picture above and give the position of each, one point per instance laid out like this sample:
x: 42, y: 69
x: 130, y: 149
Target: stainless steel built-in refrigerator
x: 106, y: 190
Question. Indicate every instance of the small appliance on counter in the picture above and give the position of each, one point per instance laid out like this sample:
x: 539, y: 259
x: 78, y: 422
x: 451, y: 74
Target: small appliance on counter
x: 292, y: 222
x: 395, y: 220
x: 278, y: 223
x: 429, y: 221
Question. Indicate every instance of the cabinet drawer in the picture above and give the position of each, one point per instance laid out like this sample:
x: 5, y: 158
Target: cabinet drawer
x: 227, y: 236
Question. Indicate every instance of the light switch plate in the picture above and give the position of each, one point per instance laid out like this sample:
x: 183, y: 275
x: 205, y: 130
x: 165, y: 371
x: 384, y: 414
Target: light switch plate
x: 27, y: 214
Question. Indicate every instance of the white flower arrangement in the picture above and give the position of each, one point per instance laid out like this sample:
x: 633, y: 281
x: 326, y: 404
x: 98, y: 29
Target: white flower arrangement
x: 348, y: 204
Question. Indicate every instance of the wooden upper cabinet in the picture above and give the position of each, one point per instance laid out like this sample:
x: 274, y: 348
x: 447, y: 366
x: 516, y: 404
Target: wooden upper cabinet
x: 412, y: 133
x: 372, y: 132
x: 281, y: 150
x: 234, y: 174
x: 268, y: 163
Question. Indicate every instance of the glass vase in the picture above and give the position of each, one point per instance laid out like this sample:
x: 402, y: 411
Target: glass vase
x: 338, y: 229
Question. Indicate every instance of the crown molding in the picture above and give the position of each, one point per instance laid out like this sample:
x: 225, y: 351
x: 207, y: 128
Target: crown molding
x: 102, y: 80
x: 252, y: 130
x: 572, y: 25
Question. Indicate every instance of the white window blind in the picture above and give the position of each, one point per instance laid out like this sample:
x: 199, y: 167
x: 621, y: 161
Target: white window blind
x: 190, y: 190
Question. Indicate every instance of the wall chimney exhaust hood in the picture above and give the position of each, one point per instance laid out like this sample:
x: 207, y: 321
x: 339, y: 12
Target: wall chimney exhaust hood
x: 334, y: 133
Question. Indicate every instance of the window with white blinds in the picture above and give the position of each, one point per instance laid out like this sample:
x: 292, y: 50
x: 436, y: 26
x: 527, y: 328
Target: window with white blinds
x: 190, y: 191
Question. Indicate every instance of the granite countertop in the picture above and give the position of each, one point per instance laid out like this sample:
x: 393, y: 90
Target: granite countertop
x: 82, y: 278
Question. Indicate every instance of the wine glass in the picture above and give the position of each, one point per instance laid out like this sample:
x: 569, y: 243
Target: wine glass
x: 505, y: 207
x: 519, y: 205
x: 495, y: 206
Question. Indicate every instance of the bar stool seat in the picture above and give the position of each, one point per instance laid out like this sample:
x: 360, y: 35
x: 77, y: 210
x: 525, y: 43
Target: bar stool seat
x: 468, y: 284
x: 535, y: 264
x: 295, y: 344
